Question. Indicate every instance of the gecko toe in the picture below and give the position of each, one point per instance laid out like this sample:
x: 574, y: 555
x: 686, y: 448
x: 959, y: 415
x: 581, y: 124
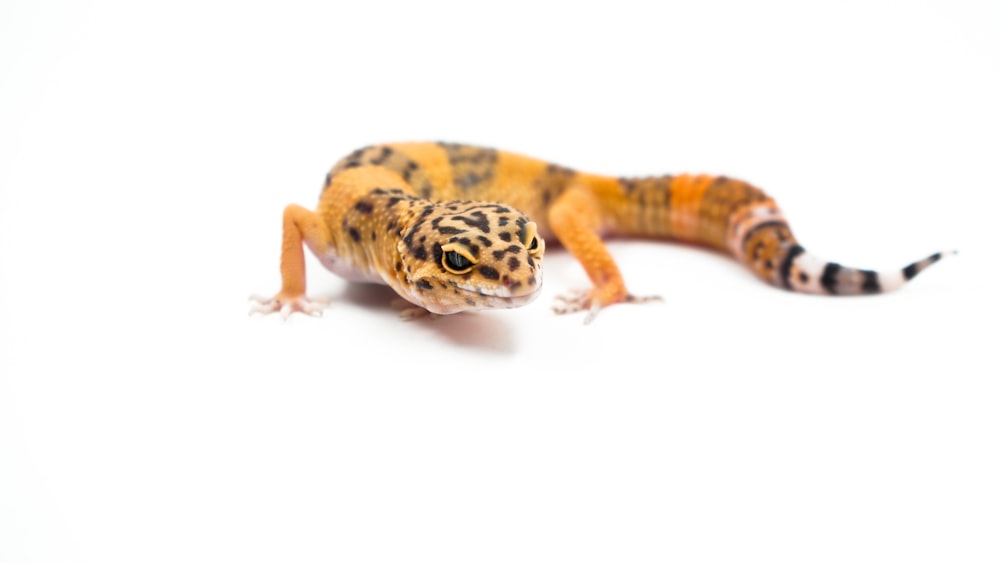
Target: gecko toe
x: 592, y: 304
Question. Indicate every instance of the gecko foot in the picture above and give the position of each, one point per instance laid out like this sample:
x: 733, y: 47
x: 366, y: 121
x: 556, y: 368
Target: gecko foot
x: 590, y: 302
x: 287, y: 305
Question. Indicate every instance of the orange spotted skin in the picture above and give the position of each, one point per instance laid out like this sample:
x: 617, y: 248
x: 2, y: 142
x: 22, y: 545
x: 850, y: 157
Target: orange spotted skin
x: 453, y: 227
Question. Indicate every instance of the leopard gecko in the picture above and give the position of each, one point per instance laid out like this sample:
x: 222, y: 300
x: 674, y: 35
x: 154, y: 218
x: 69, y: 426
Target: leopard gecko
x: 453, y: 227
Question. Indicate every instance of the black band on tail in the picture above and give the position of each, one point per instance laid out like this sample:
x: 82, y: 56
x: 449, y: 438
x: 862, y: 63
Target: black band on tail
x: 785, y: 270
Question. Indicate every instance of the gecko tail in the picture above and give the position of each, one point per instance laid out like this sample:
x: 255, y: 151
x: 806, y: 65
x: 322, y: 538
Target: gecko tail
x: 803, y: 272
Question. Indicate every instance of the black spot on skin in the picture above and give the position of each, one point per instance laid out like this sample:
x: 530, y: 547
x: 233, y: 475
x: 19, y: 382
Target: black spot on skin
x: 392, y: 201
x: 382, y: 156
x: 486, y: 242
x: 424, y: 284
x: 378, y: 191
x: 479, y: 220
x: 803, y: 277
x: 503, y: 221
x: 498, y: 254
x: 514, y: 263
x: 768, y: 264
x: 829, y: 279
x: 438, y: 256
x: 513, y: 249
x: 363, y: 207
x: 399, y: 266
x: 450, y: 230
x: 505, y: 236
x: 489, y: 273
x: 352, y: 164
x: 354, y: 234
x: 470, y: 302
x: 531, y: 279
x: 531, y: 262
x: 420, y: 253
x: 471, y: 166
x: 470, y: 180
x: 373, y: 235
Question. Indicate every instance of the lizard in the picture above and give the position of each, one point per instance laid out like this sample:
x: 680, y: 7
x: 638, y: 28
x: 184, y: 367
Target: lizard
x: 453, y: 227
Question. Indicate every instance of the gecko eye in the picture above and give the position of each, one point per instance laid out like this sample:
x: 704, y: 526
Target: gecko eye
x: 536, y: 247
x: 531, y: 240
x: 455, y: 260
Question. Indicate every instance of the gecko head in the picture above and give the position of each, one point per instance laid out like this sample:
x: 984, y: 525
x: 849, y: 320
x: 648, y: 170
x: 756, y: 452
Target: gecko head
x: 463, y: 256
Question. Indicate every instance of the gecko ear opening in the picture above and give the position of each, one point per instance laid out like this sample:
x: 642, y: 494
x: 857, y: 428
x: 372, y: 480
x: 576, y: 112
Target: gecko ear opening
x: 456, y: 259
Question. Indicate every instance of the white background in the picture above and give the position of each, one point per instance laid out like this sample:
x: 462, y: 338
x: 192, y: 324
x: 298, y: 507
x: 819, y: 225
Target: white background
x: 146, y: 154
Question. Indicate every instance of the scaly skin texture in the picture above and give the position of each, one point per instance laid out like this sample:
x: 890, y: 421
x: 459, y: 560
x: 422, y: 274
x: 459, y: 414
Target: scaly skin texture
x: 454, y: 228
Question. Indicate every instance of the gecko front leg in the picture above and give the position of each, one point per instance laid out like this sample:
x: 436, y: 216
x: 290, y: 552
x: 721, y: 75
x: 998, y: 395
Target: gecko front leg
x: 576, y: 220
x: 299, y: 226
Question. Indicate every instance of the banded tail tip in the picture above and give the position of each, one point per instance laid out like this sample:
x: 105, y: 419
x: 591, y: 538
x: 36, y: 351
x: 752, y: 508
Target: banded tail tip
x: 915, y: 268
x: 804, y: 272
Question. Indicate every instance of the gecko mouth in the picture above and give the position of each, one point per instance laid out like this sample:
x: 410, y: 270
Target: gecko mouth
x: 501, y: 297
x: 470, y: 298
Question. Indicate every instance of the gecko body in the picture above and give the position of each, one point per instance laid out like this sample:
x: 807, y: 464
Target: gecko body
x: 454, y: 227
